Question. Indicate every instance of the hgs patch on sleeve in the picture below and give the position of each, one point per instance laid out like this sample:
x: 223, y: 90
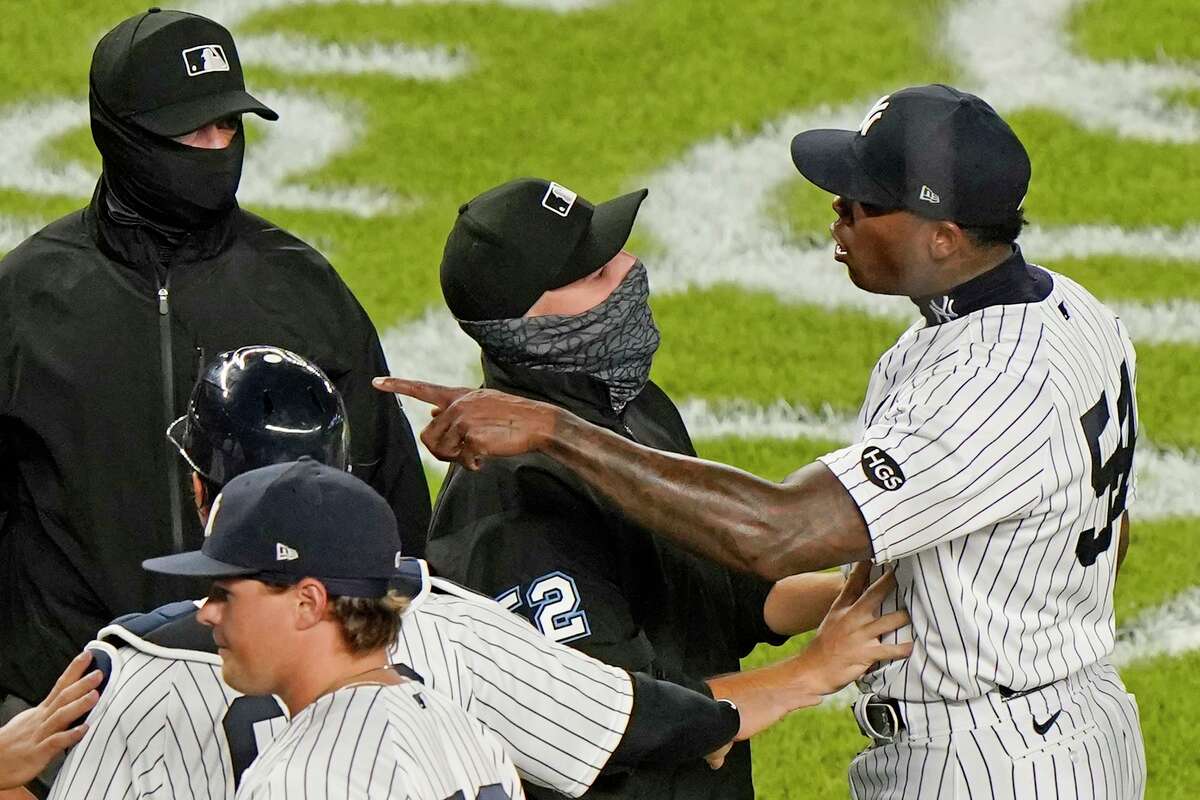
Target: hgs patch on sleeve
x: 881, y: 469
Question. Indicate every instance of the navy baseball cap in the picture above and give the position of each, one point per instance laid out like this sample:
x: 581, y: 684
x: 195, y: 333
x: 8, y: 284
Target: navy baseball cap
x: 525, y: 237
x: 932, y: 150
x: 171, y: 72
x: 300, y: 519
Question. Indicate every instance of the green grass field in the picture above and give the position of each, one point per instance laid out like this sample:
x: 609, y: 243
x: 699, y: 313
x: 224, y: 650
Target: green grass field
x: 615, y: 93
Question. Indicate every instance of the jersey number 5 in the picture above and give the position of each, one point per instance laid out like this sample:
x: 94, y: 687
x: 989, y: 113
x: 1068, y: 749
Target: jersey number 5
x: 1111, y: 476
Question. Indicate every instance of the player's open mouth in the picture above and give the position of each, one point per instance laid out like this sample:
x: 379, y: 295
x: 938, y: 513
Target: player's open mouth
x: 839, y: 250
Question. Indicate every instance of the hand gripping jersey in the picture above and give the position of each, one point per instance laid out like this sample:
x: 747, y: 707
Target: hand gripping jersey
x: 994, y: 464
x: 166, y: 720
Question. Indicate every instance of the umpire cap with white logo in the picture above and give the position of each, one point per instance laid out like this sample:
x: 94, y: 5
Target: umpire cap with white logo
x: 932, y: 150
x: 525, y: 237
x: 171, y: 72
x: 297, y: 520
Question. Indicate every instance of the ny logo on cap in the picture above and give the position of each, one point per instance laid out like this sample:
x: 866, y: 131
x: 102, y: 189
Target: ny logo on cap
x: 285, y: 553
x: 559, y: 199
x: 205, y: 58
x: 874, y: 114
x: 212, y: 516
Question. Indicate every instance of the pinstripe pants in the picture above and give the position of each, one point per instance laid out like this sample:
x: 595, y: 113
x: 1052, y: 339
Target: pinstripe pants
x: 989, y: 749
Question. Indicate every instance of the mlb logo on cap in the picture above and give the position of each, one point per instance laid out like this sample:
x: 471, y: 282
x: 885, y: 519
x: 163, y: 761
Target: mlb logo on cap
x: 559, y: 199
x: 204, y: 59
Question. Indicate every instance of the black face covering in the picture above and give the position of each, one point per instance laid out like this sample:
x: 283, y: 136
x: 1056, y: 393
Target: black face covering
x: 168, y: 184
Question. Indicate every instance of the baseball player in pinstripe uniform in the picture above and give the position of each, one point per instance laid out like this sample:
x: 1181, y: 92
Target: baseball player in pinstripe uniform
x: 993, y: 468
x: 305, y: 561
x: 167, y: 719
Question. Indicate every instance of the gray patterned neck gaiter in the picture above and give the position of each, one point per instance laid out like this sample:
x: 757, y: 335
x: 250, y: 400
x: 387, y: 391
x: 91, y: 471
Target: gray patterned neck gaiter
x: 613, y: 341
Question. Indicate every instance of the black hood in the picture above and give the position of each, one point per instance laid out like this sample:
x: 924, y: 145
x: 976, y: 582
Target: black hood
x: 171, y: 186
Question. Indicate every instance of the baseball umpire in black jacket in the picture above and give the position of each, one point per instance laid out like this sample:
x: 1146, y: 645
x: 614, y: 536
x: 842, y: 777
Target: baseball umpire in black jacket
x: 538, y: 277
x: 106, y: 318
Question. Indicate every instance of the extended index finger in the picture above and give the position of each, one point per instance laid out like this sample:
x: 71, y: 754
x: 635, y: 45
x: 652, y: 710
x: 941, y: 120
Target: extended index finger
x: 433, y: 393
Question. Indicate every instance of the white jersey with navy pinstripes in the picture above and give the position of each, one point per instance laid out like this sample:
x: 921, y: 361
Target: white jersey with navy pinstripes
x: 162, y: 726
x: 560, y: 713
x: 992, y: 469
x: 166, y: 720
x: 396, y: 742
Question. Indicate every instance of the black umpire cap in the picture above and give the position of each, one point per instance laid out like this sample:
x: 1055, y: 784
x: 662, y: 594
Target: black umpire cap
x: 932, y: 150
x: 300, y: 520
x: 516, y: 241
x: 171, y: 73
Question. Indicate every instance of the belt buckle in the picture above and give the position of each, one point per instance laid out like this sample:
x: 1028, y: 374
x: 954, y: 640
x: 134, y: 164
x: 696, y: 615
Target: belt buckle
x: 879, y: 720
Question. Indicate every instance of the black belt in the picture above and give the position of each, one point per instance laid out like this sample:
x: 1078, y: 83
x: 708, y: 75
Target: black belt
x: 881, y: 719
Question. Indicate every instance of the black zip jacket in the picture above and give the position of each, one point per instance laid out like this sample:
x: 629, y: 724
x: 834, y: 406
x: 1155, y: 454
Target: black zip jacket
x: 526, y: 531
x: 103, y: 331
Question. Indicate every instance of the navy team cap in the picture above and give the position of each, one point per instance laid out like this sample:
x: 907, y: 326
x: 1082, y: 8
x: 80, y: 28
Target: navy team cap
x: 300, y: 519
x: 932, y: 150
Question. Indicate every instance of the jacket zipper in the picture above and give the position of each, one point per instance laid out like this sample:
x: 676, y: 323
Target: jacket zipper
x: 166, y: 359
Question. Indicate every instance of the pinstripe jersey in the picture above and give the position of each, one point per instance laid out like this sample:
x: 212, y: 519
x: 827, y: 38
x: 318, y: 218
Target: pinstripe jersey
x: 993, y: 466
x: 166, y: 719
x: 405, y: 742
x: 560, y: 713
x: 163, y: 726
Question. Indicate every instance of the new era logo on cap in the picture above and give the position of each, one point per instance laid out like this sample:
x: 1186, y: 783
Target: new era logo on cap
x: 559, y: 199
x: 929, y: 195
x: 285, y: 553
x: 204, y: 59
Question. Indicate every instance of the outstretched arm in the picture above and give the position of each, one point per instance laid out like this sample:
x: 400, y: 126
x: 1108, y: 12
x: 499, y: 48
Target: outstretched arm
x: 846, y: 645
x: 809, y: 522
x: 798, y: 603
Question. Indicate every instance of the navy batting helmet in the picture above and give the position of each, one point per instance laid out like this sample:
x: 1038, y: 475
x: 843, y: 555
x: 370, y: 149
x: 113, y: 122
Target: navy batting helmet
x: 261, y: 405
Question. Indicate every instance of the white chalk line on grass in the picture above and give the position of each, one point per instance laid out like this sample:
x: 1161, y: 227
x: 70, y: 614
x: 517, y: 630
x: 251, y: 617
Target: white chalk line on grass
x: 1017, y: 54
x: 711, y: 210
x: 232, y: 13
x: 712, y: 214
x: 1168, y: 630
x: 296, y: 54
x: 273, y: 165
x: 15, y: 231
